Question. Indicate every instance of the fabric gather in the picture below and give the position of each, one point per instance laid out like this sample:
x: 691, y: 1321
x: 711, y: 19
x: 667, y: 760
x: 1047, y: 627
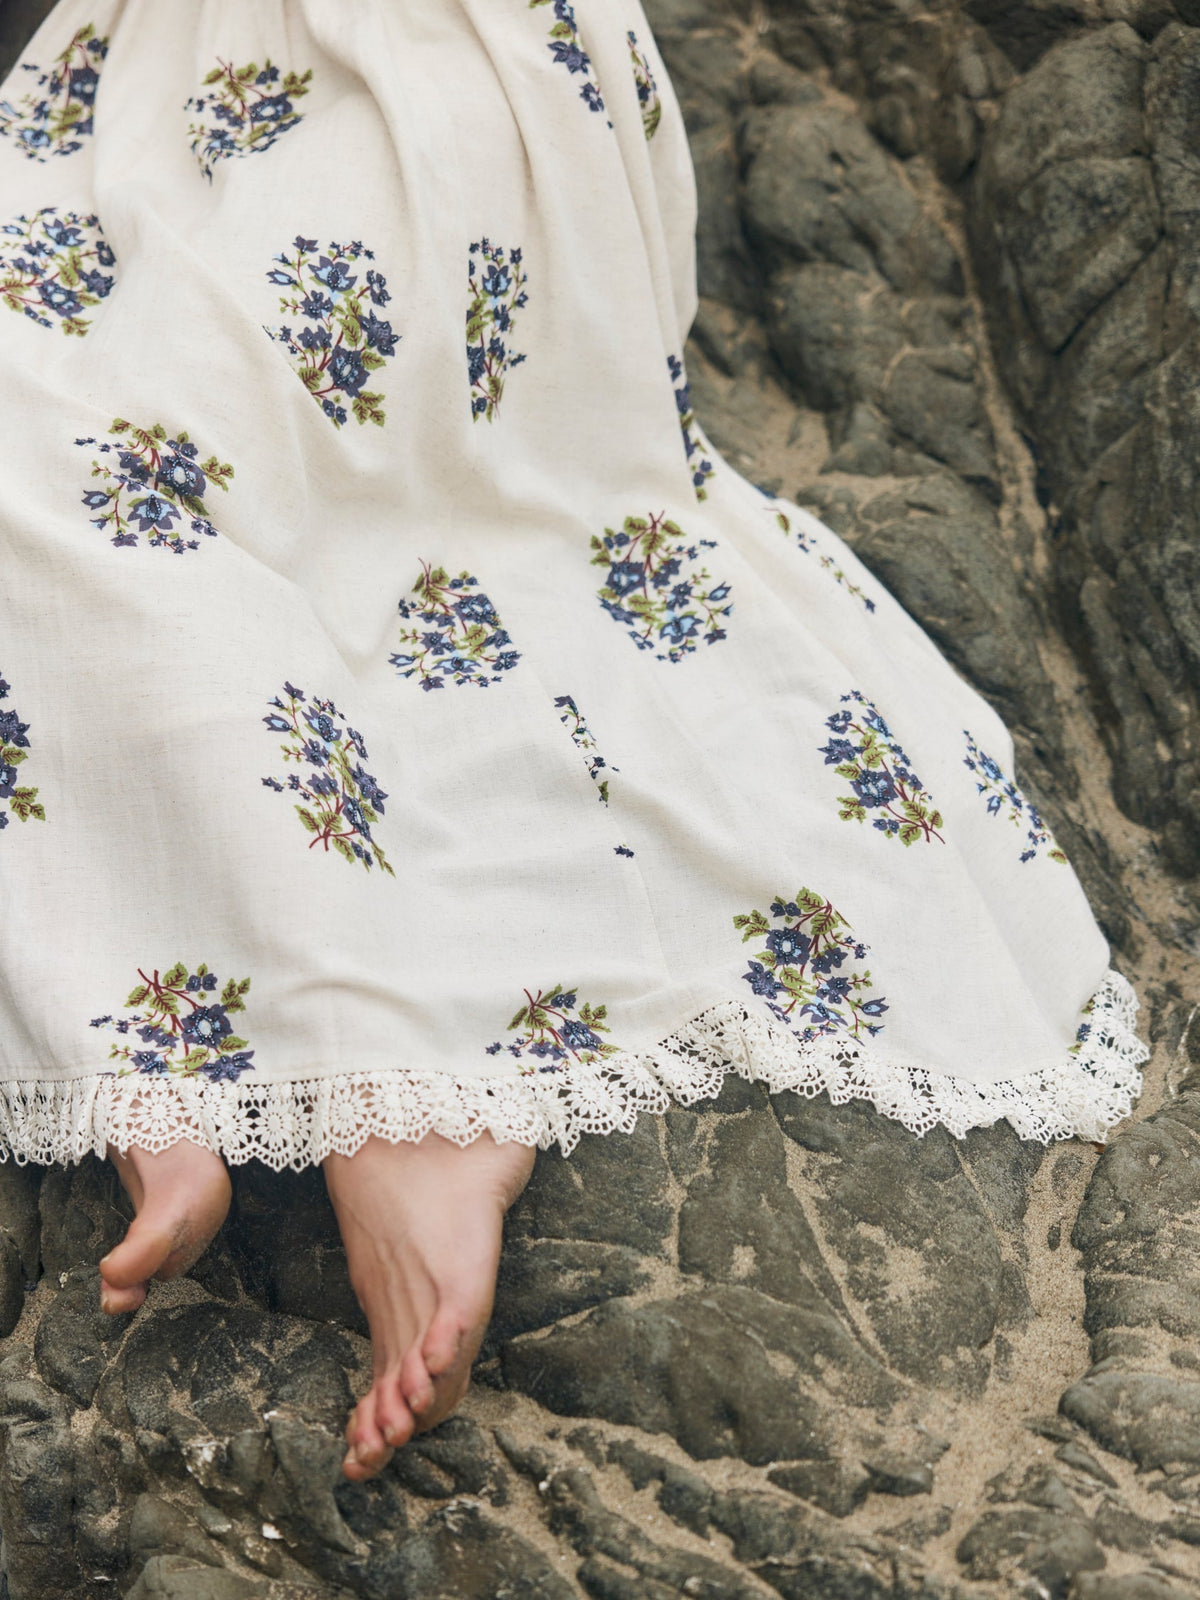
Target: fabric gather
x: 297, y: 1124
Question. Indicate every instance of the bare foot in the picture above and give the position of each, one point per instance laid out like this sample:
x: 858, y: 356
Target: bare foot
x: 421, y: 1224
x: 181, y: 1196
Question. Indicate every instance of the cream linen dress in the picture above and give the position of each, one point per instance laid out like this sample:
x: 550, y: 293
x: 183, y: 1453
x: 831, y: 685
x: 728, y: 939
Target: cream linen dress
x: 408, y: 721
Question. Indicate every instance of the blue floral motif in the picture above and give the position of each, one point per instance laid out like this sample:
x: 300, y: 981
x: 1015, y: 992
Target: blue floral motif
x: 156, y: 485
x: 496, y: 280
x: 22, y: 800
x: 245, y: 111
x: 338, y: 804
x: 566, y: 47
x: 647, y: 89
x: 807, y: 541
x: 694, y: 447
x: 341, y: 341
x: 192, y: 1033
x: 1084, y: 1031
x: 1004, y: 799
x: 553, y: 1030
x: 664, y: 609
x: 579, y: 732
x: 456, y: 635
x: 55, y: 117
x: 50, y: 268
x: 808, y: 942
x: 880, y: 774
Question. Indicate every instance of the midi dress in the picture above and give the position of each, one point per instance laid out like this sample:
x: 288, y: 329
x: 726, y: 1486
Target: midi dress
x: 408, y: 721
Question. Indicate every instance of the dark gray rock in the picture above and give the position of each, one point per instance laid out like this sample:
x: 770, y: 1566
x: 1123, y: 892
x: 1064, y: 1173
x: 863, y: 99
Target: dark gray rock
x: 157, y: 1526
x: 180, y: 1578
x: 1129, y: 1586
x: 543, y: 1280
x: 767, y: 1320
x: 455, y: 1459
x: 740, y: 1223
x: 818, y: 187
x: 461, y: 1554
x: 1142, y: 1398
x: 1077, y: 231
x: 926, y: 1210
x: 83, y: 1215
x: 1084, y: 231
x: 75, y: 1340
x: 559, y: 1202
x: 18, y: 21
x: 19, y: 1219
x: 578, y: 1514
x: 1047, y: 1546
x: 310, y: 1277
x: 12, y: 1284
x: 37, y: 1480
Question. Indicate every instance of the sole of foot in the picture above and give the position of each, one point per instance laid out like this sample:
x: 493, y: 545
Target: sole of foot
x: 422, y: 1223
x: 180, y: 1198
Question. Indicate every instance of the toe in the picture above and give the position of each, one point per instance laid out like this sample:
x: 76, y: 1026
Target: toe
x: 369, y: 1451
x: 393, y: 1415
x: 416, y: 1385
x: 115, y: 1300
x: 145, y: 1249
x: 443, y: 1341
x: 449, y: 1392
x: 181, y: 1195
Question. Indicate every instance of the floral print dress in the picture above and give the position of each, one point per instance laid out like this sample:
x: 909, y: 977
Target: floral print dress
x: 407, y: 720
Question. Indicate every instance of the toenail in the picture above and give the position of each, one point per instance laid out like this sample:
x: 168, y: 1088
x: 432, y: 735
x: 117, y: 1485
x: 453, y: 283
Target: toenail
x: 361, y: 1454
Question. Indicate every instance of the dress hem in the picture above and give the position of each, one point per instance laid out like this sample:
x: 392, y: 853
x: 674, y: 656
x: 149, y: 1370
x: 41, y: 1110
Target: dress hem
x: 298, y: 1123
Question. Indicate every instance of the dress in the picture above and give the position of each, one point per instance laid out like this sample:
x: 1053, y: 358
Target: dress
x: 408, y: 720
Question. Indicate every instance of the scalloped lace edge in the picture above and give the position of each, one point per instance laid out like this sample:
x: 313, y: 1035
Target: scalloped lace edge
x: 297, y: 1124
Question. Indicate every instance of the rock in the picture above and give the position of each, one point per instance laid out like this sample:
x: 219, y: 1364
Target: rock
x: 920, y: 1238
x: 1074, y: 1455
x: 1049, y: 1547
x: 837, y: 1487
x: 937, y: 546
x: 75, y: 1340
x: 860, y: 275
x: 156, y: 1526
x: 460, y: 1554
x: 819, y: 188
x: 19, y: 1187
x: 543, y: 1280
x: 311, y: 1279
x: 700, y: 1368
x: 899, y: 1477
x: 1129, y: 1586
x: 12, y: 1284
x: 558, y: 1203
x: 1084, y: 231
x: 455, y: 1459
x: 83, y: 1215
x: 948, y: 258
x: 1152, y: 1420
x: 861, y: 443
x: 1140, y: 1399
x: 179, y: 1578
x: 835, y: 332
x: 37, y: 1476
x: 740, y: 1223
x: 1078, y: 230
x: 578, y: 1514
x: 18, y: 21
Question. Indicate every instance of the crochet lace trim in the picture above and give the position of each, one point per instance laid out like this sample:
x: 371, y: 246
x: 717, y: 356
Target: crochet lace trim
x: 297, y: 1124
